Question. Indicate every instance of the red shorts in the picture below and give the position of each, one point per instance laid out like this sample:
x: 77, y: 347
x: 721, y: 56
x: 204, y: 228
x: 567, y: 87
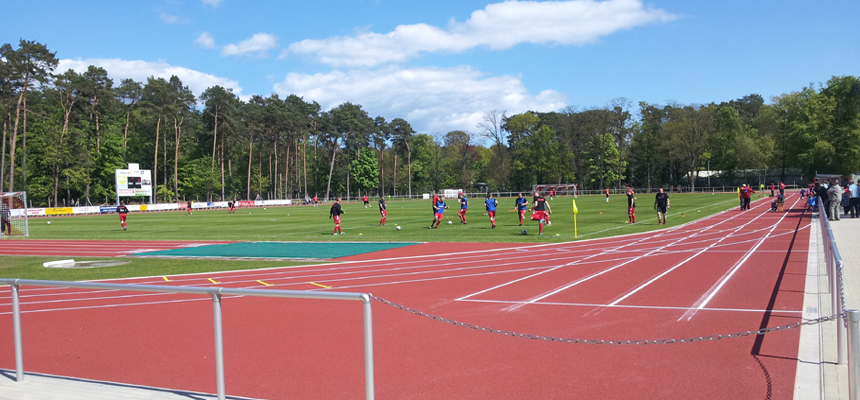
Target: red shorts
x: 631, y: 210
x: 539, y: 215
x: 462, y: 211
x: 122, y: 217
x: 522, y: 213
x: 438, y: 216
x: 337, y: 219
x: 492, y: 214
x: 383, y: 213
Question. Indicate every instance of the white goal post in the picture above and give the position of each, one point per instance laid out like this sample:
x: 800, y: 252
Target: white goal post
x: 13, y: 214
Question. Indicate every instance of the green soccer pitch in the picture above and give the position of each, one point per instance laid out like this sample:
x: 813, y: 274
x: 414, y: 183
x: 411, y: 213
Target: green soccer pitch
x: 596, y: 218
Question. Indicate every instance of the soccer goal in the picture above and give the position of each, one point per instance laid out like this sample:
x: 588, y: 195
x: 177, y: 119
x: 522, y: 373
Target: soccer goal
x: 13, y: 214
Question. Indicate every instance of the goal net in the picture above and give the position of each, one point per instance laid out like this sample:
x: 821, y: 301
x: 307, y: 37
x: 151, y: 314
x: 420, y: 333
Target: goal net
x: 13, y: 214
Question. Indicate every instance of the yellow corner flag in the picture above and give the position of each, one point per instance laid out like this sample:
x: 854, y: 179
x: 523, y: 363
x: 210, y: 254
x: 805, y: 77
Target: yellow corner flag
x: 575, y: 211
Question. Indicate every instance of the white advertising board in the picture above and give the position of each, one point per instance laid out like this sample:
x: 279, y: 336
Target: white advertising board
x: 133, y: 182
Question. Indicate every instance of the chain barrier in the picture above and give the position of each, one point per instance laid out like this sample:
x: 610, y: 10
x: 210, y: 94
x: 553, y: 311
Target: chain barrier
x: 841, y: 289
x: 616, y: 342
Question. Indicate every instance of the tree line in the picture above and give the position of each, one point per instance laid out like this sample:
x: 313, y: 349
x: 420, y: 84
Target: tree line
x: 65, y: 133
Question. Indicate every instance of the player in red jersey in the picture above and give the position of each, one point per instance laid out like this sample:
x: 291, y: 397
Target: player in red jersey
x: 188, y: 207
x: 122, y: 210
x: 366, y: 203
x: 315, y: 200
x: 540, y: 211
x: 607, y: 195
x: 382, y: 211
x: 335, y: 214
x: 435, y: 199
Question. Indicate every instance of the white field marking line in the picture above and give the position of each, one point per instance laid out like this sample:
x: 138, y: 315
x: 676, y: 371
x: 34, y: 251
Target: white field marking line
x: 596, y: 274
x: 289, y: 270
x: 703, y: 301
x: 90, y: 292
x: 267, y: 271
x: 676, y: 266
x: 202, y: 298
x: 643, y: 222
x: 549, y: 270
x: 552, y: 303
x: 307, y: 275
x: 257, y: 286
x: 575, y: 244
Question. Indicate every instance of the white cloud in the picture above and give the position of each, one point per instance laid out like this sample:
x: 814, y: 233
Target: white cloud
x: 433, y: 100
x: 213, y: 3
x: 498, y: 26
x: 205, y: 41
x: 169, y: 19
x: 257, y: 46
x: 140, y: 70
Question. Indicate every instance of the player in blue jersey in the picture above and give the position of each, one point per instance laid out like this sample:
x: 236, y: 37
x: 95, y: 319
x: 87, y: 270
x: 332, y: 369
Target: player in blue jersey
x: 491, y: 205
x: 464, y: 205
x: 439, y: 211
x: 522, y: 206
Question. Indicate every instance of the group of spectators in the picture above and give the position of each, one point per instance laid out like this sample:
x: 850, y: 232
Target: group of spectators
x: 833, y: 195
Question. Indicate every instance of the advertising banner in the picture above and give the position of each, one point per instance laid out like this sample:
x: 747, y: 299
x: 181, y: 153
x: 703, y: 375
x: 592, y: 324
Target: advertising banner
x: 59, y: 211
x: 133, y: 182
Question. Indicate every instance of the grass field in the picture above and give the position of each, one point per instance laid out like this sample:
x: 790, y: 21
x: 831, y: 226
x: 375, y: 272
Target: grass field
x: 596, y: 218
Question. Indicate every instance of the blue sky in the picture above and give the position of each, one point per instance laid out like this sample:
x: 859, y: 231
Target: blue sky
x: 442, y: 64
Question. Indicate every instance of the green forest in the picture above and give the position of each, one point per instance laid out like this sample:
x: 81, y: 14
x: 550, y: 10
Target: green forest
x: 64, y: 134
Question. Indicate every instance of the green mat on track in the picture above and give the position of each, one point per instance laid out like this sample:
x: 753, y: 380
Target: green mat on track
x: 278, y: 250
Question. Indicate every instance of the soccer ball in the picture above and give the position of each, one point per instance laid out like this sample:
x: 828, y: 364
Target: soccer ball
x: 450, y: 223
x: 398, y: 227
x: 524, y: 232
x: 264, y: 208
x: 49, y: 222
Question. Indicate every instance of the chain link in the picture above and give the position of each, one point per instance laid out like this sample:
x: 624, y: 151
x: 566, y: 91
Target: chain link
x: 616, y: 342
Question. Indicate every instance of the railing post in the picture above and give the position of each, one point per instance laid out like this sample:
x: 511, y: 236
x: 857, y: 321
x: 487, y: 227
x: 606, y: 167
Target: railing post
x: 854, y: 352
x: 219, y: 345
x: 841, y: 323
x: 16, y: 323
x: 368, y: 348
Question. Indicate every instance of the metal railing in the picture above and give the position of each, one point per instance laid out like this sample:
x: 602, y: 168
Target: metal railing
x: 846, y: 347
x: 216, y: 293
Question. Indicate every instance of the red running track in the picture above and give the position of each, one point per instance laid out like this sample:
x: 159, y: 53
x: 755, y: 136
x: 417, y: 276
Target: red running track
x: 733, y: 272
x: 92, y: 248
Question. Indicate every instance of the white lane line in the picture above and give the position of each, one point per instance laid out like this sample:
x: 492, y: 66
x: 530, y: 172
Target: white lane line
x: 553, y: 303
x: 706, y: 298
x: 599, y: 273
x: 646, y: 284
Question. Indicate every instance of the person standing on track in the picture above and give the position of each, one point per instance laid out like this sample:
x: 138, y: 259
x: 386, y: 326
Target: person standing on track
x: 335, y: 213
x: 782, y: 188
x: 661, y: 204
x: 746, y: 193
x: 464, y: 205
x: 438, y: 212
x: 122, y: 210
x: 772, y: 189
x: 366, y: 203
x: 631, y: 206
x: 491, y: 205
x: 382, y: 211
x: 522, y: 206
x: 541, y: 212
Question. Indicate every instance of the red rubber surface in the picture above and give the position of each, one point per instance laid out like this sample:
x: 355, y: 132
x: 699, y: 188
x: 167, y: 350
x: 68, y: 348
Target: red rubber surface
x: 303, y: 349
